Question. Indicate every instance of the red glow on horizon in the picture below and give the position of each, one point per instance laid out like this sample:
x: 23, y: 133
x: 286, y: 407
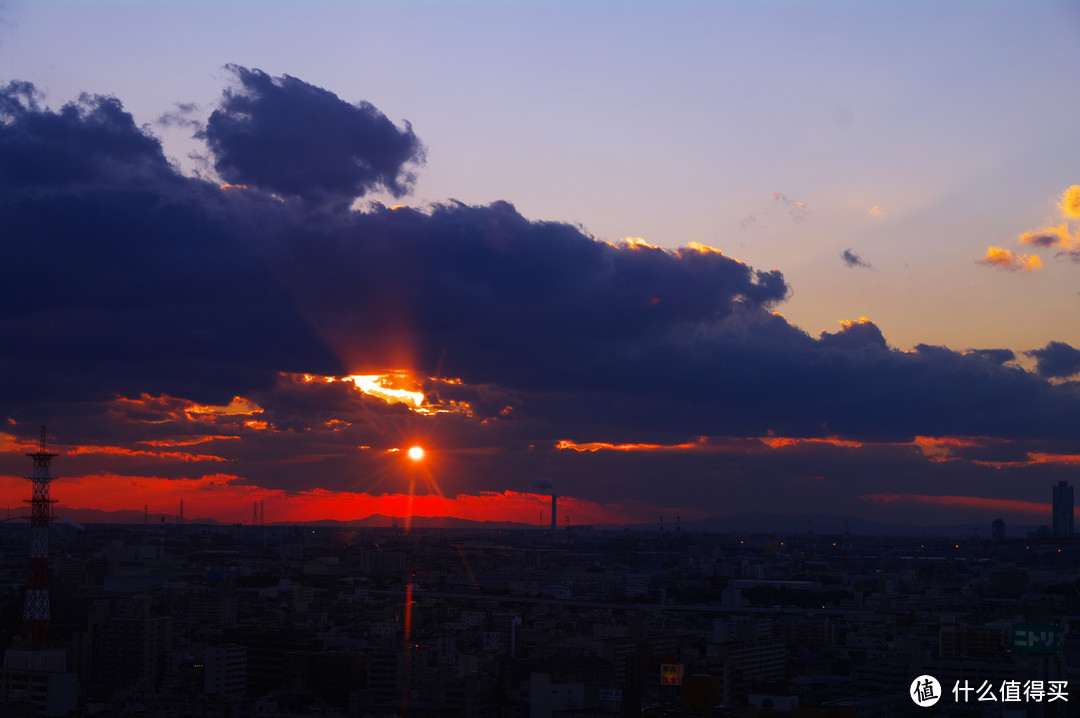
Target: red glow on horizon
x: 227, y: 499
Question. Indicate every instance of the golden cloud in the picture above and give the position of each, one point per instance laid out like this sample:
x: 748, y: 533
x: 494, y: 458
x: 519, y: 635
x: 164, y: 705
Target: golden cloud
x: 1069, y: 204
x: 1000, y: 257
x: 1048, y: 237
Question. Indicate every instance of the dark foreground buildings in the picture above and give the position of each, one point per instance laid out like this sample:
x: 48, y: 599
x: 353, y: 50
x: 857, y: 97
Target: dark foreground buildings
x: 303, y: 621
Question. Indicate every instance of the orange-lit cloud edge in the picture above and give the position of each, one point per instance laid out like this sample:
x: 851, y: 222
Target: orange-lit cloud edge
x: 1006, y: 259
x: 1050, y: 236
x: 934, y: 448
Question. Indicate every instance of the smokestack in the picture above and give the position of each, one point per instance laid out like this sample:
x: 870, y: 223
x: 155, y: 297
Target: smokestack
x: 554, y: 512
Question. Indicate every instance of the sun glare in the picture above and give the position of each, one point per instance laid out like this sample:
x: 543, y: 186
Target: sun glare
x: 399, y: 387
x: 416, y: 453
x: 381, y: 386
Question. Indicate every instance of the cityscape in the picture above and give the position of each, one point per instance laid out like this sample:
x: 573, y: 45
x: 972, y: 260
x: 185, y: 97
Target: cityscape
x: 183, y: 619
x: 539, y: 359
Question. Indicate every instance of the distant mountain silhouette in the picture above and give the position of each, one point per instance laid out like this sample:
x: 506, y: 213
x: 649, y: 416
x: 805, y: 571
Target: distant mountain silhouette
x: 750, y: 522
x: 830, y: 525
x: 418, y: 522
x: 124, y: 516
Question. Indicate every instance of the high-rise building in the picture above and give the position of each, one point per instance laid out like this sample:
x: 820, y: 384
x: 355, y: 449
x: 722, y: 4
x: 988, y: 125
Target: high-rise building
x: 225, y: 671
x: 997, y: 530
x: 1063, y: 509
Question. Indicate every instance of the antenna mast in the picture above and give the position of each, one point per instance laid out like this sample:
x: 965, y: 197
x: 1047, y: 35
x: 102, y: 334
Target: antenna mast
x: 36, y: 611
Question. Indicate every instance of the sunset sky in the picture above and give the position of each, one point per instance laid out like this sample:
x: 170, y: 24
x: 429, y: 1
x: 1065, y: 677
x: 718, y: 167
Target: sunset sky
x: 682, y: 258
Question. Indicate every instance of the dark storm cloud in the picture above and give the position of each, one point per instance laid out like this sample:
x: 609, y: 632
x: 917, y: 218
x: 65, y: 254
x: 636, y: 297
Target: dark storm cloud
x: 1057, y: 360
x: 493, y: 297
x: 852, y: 259
x: 130, y: 279
x: 997, y: 356
x: 121, y: 269
x: 736, y: 385
x: 286, y: 136
x: 863, y: 334
x: 92, y: 141
x: 171, y: 285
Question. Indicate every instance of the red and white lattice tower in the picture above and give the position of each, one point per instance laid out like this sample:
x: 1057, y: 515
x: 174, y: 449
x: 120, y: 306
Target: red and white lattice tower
x: 36, y: 611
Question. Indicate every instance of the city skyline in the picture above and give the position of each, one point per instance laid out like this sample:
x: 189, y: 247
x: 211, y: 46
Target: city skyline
x: 783, y: 258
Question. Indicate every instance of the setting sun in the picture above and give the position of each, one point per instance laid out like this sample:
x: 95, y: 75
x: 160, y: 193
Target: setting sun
x: 416, y: 453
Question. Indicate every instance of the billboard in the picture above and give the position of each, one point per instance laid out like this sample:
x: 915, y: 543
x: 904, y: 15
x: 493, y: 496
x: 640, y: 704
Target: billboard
x: 1037, y: 638
x: 671, y: 674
